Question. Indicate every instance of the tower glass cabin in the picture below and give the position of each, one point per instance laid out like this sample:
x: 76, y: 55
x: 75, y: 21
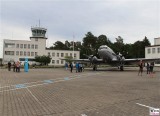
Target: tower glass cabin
x: 38, y: 32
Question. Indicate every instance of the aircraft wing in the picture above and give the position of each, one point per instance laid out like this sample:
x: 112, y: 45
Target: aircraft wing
x: 85, y: 60
x: 143, y: 59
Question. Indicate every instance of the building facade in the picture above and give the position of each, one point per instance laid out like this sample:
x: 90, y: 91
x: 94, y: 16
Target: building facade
x: 18, y: 50
x: 153, y: 51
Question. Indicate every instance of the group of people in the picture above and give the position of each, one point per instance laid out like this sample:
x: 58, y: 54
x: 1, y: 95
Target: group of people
x: 79, y: 67
x: 149, y: 67
x: 16, y: 66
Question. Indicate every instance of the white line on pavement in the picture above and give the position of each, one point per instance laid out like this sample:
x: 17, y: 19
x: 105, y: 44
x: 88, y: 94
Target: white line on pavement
x: 37, y: 100
x: 145, y: 106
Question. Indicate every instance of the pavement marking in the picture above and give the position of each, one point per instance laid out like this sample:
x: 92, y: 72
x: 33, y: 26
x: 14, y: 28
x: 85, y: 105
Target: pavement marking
x: 66, y: 78
x: 48, y: 81
x: 37, y: 100
x: 20, y: 86
x: 25, y: 85
x: 145, y: 106
x: 83, y: 115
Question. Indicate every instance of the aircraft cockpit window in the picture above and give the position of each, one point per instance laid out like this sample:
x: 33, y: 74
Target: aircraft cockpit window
x: 103, y: 47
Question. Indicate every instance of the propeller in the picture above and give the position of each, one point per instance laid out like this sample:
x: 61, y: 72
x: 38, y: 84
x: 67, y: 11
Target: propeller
x: 92, y: 58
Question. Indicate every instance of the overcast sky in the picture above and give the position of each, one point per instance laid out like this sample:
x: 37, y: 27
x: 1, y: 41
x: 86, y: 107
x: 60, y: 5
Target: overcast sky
x: 130, y: 19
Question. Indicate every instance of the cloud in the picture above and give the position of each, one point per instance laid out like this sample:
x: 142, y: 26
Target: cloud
x: 131, y: 19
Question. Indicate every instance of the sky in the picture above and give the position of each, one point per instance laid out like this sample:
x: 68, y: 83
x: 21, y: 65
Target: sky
x: 68, y: 19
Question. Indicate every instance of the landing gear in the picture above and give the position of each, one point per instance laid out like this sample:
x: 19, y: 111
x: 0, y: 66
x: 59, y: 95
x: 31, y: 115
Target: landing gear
x: 121, y: 68
x: 94, y: 67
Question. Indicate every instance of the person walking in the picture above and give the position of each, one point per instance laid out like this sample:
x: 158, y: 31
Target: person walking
x: 140, y: 68
x: 9, y: 66
x: 14, y: 66
x: 148, y: 68
x: 151, y: 69
x: 71, y: 66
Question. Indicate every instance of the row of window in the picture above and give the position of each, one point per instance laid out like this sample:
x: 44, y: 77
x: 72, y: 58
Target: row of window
x: 57, y: 61
x: 61, y: 54
x: 27, y: 46
x: 153, y: 50
x: 21, y: 53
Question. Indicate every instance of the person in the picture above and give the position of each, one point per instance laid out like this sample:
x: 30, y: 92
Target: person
x: 9, y: 66
x: 66, y: 66
x: 80, y: 67
x: 140, y: 67
x: 17, y: 66
x: 148, y: 68
x: 77, y: 67
x: 14, y: 66
x: 151, y: 68
x: 71, y: 66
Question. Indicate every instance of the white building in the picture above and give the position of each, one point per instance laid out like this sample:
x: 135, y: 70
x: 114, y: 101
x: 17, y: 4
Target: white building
x: 153, y: 51
x: 18, y: 50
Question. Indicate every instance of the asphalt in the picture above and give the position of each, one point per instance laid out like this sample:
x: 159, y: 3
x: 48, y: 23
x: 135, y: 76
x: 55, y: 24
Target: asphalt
x: 57, y: 92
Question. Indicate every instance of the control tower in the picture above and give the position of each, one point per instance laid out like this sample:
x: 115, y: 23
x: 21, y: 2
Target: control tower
x: 38, y: 32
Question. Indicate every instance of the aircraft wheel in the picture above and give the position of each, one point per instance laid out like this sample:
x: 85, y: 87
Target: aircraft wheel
x: 121, y: 68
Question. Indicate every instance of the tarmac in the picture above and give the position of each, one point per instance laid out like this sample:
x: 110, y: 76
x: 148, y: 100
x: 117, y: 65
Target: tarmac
x: 58, y: 92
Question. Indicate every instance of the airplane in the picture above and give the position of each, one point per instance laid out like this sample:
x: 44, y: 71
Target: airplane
x: 108, y: 56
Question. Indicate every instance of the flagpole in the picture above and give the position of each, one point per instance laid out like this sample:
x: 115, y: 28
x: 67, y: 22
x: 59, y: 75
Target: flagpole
x: 73, y: 45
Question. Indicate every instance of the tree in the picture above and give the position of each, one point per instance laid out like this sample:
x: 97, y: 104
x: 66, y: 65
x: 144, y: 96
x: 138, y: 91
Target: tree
x: 118, y: 46
x: 89, y: 43
x: 138, y: 49
x: 68, y: 59
x: 44, y: 60
x: 58, y: 45
x: 146, y: 42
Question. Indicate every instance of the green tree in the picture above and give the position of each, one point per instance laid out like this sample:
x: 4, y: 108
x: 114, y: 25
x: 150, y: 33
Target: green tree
x: 44, y: 60
x: 118, y: 46
x: 89, y: 43
x: 68, y: 59
x: 58, y: 45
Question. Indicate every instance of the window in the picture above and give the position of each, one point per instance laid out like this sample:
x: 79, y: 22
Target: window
x: 24, y: 53
x: 66, y: 54
x: 74, y: 55
x: 57, y: 54
x: 48, y: 53
x: 21, y: 45
x: 32, y: 46
x: 62, y: 61
x: 9, y: 52
x: 153, y: 50
x: 25, y: 45
x: 70, y: 54
x: 53, y: 54
x: 29, y: 46
x: 36, y: 53
x: 17, y: 53
x: 32, y: 53
x: 28, y: 53
x: 17, y: 45
x: 9, y: 45
x: 36, y: 46
x: 57, y: 61
x: 62, y: 54
x: 149, y: 50
x: 158, y: 50
x: 21, y: 53
x: 53, y: 61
